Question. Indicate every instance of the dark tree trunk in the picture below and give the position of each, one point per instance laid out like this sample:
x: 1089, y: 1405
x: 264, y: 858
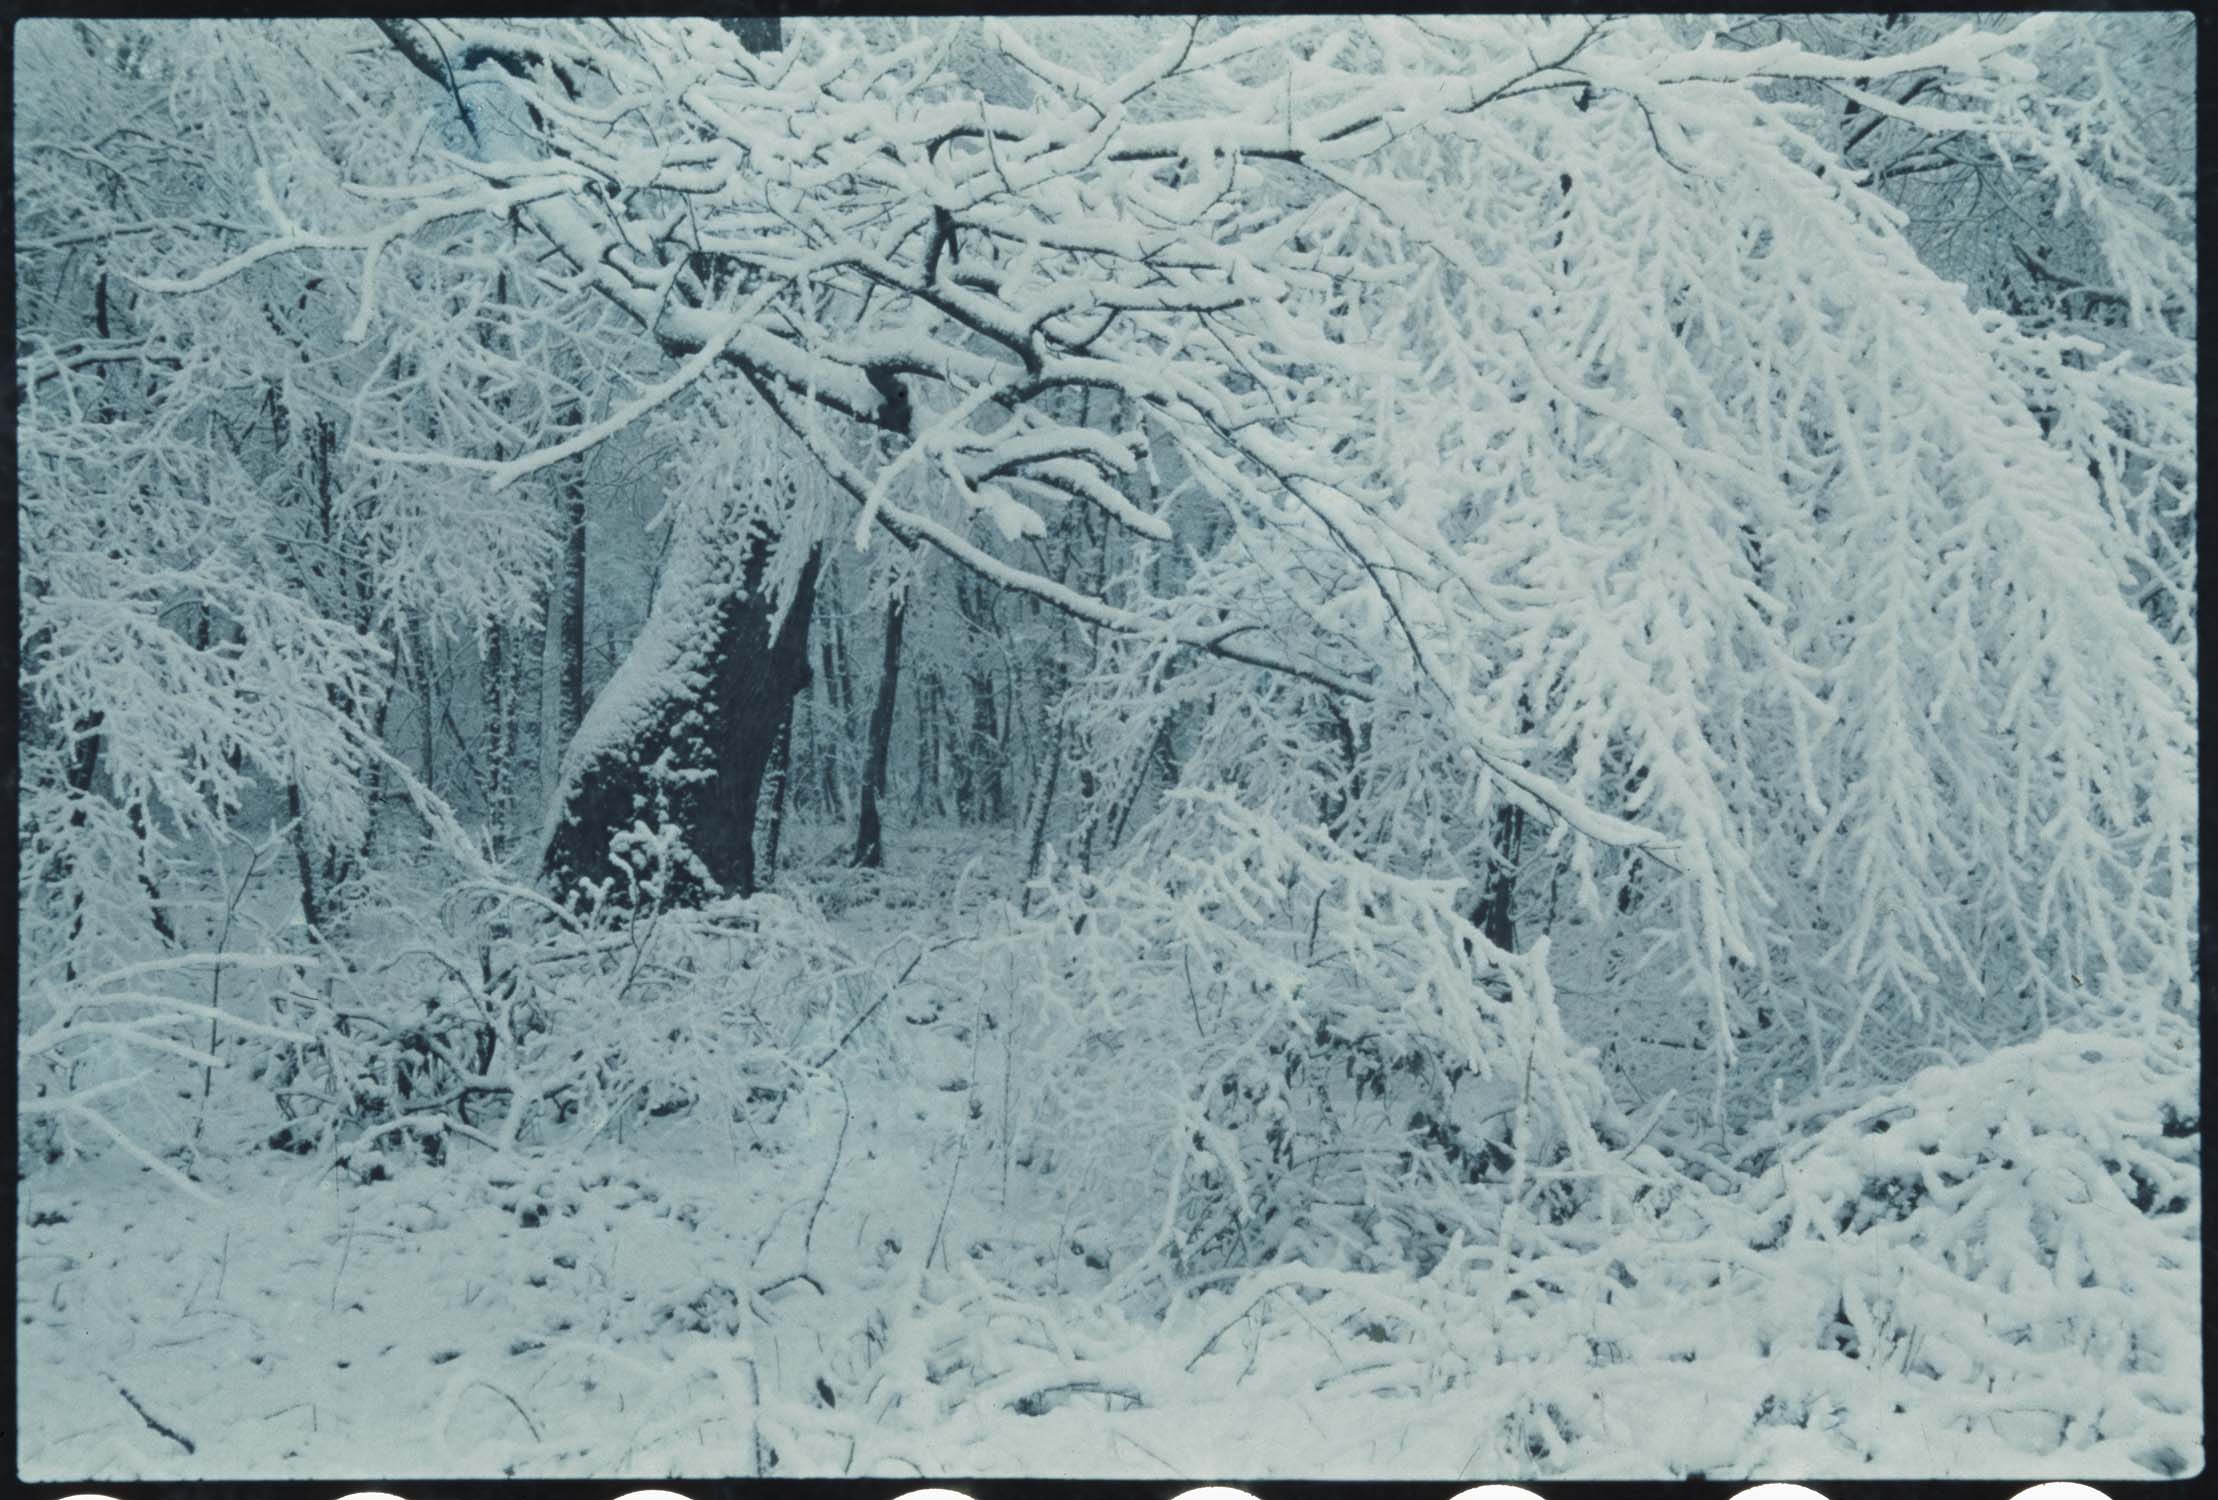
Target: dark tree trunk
x: 570, y: 709
x: 425, y: 694
x: 84, y: 759
x: 929, y: 792
x: 311, y: 909
x: 1335, y: 805
x: 1089, y: 815
x: 683, y: 735
x: 1496, y: 914
x: 839, y: 700
x: 1043, y: 801
x: 870, y: 851
x: 1158, y: 755
x: 985, y: 748
x: 84, y: 763
x: 781, y: 775
x: 499, y: 713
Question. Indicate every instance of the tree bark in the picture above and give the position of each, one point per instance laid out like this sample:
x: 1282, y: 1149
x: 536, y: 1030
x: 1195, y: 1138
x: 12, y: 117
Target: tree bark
x: 781, y: 775
x: 311, y: 909
x: 499, y: 713
x: 869, y: 846
x: 570, y: 710
x: 1496, y: 914
x: 684, y: 734
x: 986, y: 748
x: 839, y: 697
x: 427, y: 690
x: 1036, y: 839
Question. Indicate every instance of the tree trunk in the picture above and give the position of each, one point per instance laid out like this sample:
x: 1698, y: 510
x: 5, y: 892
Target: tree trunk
x: 683, y: 734
x: 499, y: 714
x: 1036, y: 840
x: 839, y: 715
x: 570, y: 708
x: 986, y: 749
x: 311, y: 909
x: 1496, y: 914
x: 781, y: 775
x: 929, y: 793
x: 869, y: 848
x: 424, y: 696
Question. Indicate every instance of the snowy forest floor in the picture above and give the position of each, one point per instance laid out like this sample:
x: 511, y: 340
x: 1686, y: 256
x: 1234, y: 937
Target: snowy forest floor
x: 410, y: 1328
x: 887, y: 1297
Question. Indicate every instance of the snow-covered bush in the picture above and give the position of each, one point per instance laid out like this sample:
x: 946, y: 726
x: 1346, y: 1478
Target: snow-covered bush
x: 1995, y: 1234
x: 1250, y: 1045
x: 126, y: 1057
x: 512, y: 1021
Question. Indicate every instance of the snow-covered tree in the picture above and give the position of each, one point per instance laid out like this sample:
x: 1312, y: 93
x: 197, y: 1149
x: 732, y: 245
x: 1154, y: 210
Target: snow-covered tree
x: 1528, y: 679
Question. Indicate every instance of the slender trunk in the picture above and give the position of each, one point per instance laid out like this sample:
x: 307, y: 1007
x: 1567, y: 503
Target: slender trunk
x: 570, y: 710
x: 84, y: 759
x: 1158, y: 753
x: 1496, y: 914
x: 869, y: 848
x: 1335, y: 805
x: 424, y: 702
x: 1036, y: 839
x: 985, y: 742
x: 497, y: 714
x: 147, y: 883
x: 235, y: 757
x: 311, y: 909
x: 781, y: 774
x: 528, y: 691
x: 1089, y: 787
x: 376, y: 794
x: 83, y: 766
x: 839, y: 701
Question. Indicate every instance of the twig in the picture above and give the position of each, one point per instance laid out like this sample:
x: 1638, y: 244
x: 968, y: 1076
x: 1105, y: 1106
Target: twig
x: 809, y: 1234
x: 961, y: 1142
x: 1081, y: 1387
x: 881, y: 1000
x: 215, y: 989
x: 337, y: 1276
x: 754, y: 1399
x: 764, y: 1291
x: 511, y: 1400
x: 147, y: 1417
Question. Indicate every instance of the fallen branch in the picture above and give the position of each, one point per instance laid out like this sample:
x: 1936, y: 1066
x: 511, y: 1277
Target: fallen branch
x: 148, y: 1418
x: 512, y: 1401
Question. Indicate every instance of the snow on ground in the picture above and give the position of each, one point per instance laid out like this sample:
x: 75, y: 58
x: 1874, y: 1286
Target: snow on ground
x: 599, y: 1319
x: 753, y: 1296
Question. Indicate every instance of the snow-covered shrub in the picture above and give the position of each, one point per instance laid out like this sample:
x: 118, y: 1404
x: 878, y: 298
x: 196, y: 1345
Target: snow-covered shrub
x: 513, y: 1021
x: 1262, y: 1047
x: 125, y: 1058
x: 1998, y: 1233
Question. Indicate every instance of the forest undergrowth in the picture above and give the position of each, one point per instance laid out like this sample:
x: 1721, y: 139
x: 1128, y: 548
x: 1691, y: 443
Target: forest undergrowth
x: 876, y: 1174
